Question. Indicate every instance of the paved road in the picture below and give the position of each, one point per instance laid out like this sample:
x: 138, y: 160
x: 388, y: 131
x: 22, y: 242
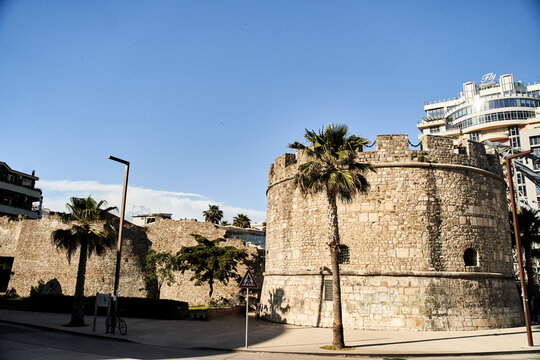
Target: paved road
x: 20, y: 342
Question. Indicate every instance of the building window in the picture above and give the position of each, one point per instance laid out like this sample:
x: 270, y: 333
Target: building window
x: 534, y: 140
x: 328, y: 294
x: 435, y: 129
x: 344, y: 256
x: 470, y: 257
x: 435, y: 112
x: 474, y: 136
x: 513, y: 133
x: 513, y: 130
x: 522, y: 191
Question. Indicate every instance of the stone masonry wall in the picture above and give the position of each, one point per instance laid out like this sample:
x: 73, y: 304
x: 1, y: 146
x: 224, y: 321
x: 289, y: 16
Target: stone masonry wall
x: 36, y: 258
x: 166, y: 234
x: 423, y: 210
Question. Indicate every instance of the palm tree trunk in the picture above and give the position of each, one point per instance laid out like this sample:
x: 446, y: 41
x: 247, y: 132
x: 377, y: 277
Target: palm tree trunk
x: 529, y: 270
x: 77, y: 315
x: 337, y: 329
x: 211, y: 283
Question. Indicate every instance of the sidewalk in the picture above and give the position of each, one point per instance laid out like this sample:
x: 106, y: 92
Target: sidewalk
x: 228, y: 333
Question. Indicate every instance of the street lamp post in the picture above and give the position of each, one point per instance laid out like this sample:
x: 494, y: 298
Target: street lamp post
x: 119, y: 243
x: 518, y: 246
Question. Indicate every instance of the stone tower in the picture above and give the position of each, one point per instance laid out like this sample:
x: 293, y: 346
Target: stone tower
x: 427, y: 248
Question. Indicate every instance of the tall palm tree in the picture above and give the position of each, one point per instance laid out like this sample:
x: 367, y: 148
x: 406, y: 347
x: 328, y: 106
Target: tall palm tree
x: 213, y: 214
x: 334, y: 170
x: 242, y: 221
x: 529, y: 228
x: 92, y: 232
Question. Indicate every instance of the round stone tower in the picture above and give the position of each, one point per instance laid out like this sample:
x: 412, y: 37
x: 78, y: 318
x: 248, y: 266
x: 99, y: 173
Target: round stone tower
x: 427, y: 248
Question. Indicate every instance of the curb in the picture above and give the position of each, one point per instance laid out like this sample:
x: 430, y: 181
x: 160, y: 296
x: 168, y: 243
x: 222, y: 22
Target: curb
x: 378, y: 355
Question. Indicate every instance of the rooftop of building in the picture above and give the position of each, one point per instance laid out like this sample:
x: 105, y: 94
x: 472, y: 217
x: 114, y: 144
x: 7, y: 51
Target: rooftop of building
x: 32, y: 176
x: 161, y: 215
x: 486, y: 87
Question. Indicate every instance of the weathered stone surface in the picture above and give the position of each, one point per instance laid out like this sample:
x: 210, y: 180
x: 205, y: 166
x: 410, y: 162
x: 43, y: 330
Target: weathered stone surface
x: 406, y: 241
x: 36, y: 259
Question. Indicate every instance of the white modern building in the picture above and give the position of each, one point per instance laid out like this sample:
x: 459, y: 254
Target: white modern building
x: 147, y: 219
x: 506, y: 112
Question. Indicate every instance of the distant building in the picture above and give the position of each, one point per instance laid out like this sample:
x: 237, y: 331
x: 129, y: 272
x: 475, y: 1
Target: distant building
x: 504, y: 112
x: 147, y: 219
x: 248, y: 236
x: 259, y: 226
x: 18, y: 195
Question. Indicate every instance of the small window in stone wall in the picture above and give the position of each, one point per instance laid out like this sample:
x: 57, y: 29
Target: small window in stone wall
x: 470, y: 257
x: 328, y: 290
x: 344, y: 256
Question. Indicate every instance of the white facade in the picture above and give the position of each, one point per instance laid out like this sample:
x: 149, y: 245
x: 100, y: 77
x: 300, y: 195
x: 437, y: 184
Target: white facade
x: 147, y: 219
x: 503, y: 111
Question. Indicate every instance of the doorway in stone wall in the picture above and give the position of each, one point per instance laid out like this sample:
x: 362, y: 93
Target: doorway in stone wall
x: 6, y: 263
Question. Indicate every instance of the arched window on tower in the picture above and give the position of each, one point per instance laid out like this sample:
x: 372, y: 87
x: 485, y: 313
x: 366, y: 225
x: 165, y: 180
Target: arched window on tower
x: 470, y: 257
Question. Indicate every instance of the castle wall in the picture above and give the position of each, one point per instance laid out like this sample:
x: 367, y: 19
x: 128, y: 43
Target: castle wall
x: 406, y: 240
x: 36, y: 258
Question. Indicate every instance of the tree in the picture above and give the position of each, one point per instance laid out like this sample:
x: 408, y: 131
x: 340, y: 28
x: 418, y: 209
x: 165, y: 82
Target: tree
x: 91, y: 232
x: 213, y: 214
x: 529, y: 229
x: 242, y: 221
x: 224, y: 223
x: 209, y: 261
x: 158, y: 270
x: 332, y: 169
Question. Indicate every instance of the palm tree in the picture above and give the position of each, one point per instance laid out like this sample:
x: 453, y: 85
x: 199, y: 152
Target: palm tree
x: 92, y: 233
x: 333, y: 169
x: 213, y: 214
x: 224, y: 223
x: 529, y: 228
x: 242, y: 221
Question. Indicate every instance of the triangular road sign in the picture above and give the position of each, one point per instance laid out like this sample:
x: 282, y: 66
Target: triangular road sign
x: 248, y: 281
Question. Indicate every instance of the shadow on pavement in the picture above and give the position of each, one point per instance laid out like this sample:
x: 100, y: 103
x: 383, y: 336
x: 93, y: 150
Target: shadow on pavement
x: 435, y: 339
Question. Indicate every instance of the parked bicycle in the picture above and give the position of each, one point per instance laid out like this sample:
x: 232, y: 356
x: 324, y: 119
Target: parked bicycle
x: 118, y: 324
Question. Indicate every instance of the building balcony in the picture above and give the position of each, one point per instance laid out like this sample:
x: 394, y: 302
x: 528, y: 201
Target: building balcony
x: 494, y: 136
x: 31, y: 193
x: 15, y: 211
x: 429, y: 123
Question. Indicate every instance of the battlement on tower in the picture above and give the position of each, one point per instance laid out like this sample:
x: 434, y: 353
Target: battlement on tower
x: 395, y: 148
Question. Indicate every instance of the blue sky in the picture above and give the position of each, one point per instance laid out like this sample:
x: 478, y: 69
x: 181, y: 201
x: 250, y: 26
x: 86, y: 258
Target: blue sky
x: 201, y: 96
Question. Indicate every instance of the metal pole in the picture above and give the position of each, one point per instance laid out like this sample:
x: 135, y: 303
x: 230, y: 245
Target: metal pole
x: 119, y: 243
x: 518, y: 246
x: 247, y: 315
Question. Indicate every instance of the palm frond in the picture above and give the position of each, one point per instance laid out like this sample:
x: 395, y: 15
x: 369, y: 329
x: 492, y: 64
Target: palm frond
x: 67, y: 240
x: 332, y: 163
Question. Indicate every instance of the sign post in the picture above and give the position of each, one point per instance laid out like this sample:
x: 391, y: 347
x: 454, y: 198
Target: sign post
x: 248, y: 282
x: 102, y: 300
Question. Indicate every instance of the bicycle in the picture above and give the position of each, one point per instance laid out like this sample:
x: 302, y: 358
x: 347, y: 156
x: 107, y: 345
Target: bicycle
x: 118, y: 324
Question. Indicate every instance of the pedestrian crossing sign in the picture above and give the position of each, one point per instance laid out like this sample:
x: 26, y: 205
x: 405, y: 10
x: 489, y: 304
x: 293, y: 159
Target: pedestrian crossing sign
x: 248, y: 282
